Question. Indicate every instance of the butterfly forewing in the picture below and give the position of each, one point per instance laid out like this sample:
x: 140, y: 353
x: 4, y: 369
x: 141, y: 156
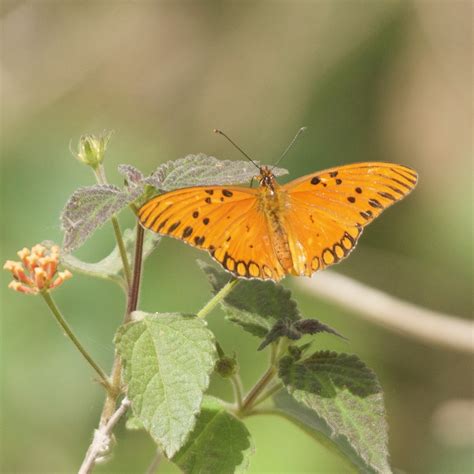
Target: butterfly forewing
x: 327, y: 210
x: 223, y: 220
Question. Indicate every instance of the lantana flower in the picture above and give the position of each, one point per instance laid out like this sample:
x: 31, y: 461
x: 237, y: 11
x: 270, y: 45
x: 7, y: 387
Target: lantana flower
x: 37, y: 271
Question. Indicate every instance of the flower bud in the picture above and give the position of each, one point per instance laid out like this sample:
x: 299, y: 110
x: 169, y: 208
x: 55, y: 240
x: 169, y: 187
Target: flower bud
x: 226, y: 366
x: 92, y: 148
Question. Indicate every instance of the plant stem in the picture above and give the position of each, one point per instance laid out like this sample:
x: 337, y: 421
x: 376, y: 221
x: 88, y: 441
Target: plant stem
x: 123, y: 252
x: 277, y: 387
x: 221, y: 294
x: 102, y: 438
x: 154, y: 463
x: 237, y: 388
x: 137, y: 273
x: 69, y: 333
x: 101, y: 178
x: 132, y: 303
x: 249, y: 400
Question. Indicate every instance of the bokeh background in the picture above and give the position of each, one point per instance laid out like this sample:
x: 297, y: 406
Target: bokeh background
x: 372, y: 80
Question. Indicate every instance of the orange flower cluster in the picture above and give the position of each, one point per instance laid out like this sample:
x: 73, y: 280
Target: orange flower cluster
x: 37, y: 270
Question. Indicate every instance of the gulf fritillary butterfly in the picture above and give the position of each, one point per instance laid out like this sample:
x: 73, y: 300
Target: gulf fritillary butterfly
x: 275, y: 230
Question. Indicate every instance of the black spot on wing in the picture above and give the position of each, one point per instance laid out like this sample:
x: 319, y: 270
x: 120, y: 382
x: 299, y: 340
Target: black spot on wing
x: 375, y: 204
x: 199, y: 240
x: 387, y: 196
x: 174, y: 226
x: 187, y: 231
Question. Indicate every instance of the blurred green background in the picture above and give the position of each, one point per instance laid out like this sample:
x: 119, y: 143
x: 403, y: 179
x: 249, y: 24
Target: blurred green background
x: 372, y: 80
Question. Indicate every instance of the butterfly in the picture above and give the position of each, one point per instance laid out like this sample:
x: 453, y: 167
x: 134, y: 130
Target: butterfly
x: 275, y: 230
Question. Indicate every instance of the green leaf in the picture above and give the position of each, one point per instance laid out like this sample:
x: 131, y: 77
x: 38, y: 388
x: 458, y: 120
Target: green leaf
x: 89, y: 208
x: 109, y: 268
x: 253, y: 304
x: 167, y: 360
x: 200, y: 169
x: 220, y: 443
x: 346, y: 401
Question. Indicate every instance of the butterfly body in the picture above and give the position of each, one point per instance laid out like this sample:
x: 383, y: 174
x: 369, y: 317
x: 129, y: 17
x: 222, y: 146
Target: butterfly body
x: 275, y: 230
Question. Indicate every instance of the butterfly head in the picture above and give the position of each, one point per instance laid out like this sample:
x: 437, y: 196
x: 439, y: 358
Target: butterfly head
x: 267, y: 178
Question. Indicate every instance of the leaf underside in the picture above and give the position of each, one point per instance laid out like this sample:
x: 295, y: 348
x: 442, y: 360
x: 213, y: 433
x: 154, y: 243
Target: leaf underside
x: 109, y: 268
x: 203, y: 170
x: 89, y: 208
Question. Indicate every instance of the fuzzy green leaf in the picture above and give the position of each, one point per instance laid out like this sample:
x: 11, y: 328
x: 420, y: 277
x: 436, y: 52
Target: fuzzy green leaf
x: 109, y: 268
x: 253, y: 304
x: 347, y: 403
x: 203, y: 170
x: 89, y: 208
x: 219, y: 443
x: 167, y: 360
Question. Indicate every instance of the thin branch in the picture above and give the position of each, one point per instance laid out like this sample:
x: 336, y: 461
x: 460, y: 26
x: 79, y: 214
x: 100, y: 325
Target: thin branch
x: 101, y: 178
x: 137, y: 273
x: 236, y: 382
x: 102, y: 439
x: 212, y: 303
x: 271, y: 391
x: 123, y: 252
x: 154, y: 463
x: 405, y: 318
x: 72, y: 337
x: 257, y: 389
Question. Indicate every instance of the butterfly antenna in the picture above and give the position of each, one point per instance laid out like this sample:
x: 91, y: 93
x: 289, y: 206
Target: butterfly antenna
x: 236, y: 146
x: 290, y: 146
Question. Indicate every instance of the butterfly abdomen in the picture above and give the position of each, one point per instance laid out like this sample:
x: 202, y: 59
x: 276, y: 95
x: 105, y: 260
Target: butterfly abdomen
x: 273, y: 203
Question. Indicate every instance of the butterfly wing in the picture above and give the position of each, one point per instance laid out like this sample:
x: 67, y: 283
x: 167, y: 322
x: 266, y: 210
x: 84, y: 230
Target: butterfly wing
x: 328, y: 210
x: 225, y: 220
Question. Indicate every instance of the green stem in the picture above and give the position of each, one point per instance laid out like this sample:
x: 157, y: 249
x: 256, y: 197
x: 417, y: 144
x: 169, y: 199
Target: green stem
x: 237, y: 388
x: 212, y: 303
x: 62, y: 322
x: 101, y: 178
x: 123, y: 252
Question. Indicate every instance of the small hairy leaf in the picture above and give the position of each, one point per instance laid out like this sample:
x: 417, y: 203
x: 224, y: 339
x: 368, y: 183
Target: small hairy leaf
x: 109, y: 268
x: 254, y: 305
x: 131, y: 174
x: 167, y: 360
x: 203, y: 170
x: 219, y: 443
x: 90, y: 207
x: 295, y: 330
x: 345, y: 394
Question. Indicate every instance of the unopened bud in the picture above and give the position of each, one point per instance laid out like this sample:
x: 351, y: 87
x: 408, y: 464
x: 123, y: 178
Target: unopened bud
x: 92, y: 148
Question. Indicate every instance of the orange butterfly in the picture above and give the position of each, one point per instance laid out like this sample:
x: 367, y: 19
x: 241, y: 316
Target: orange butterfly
x: 272, y: 231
